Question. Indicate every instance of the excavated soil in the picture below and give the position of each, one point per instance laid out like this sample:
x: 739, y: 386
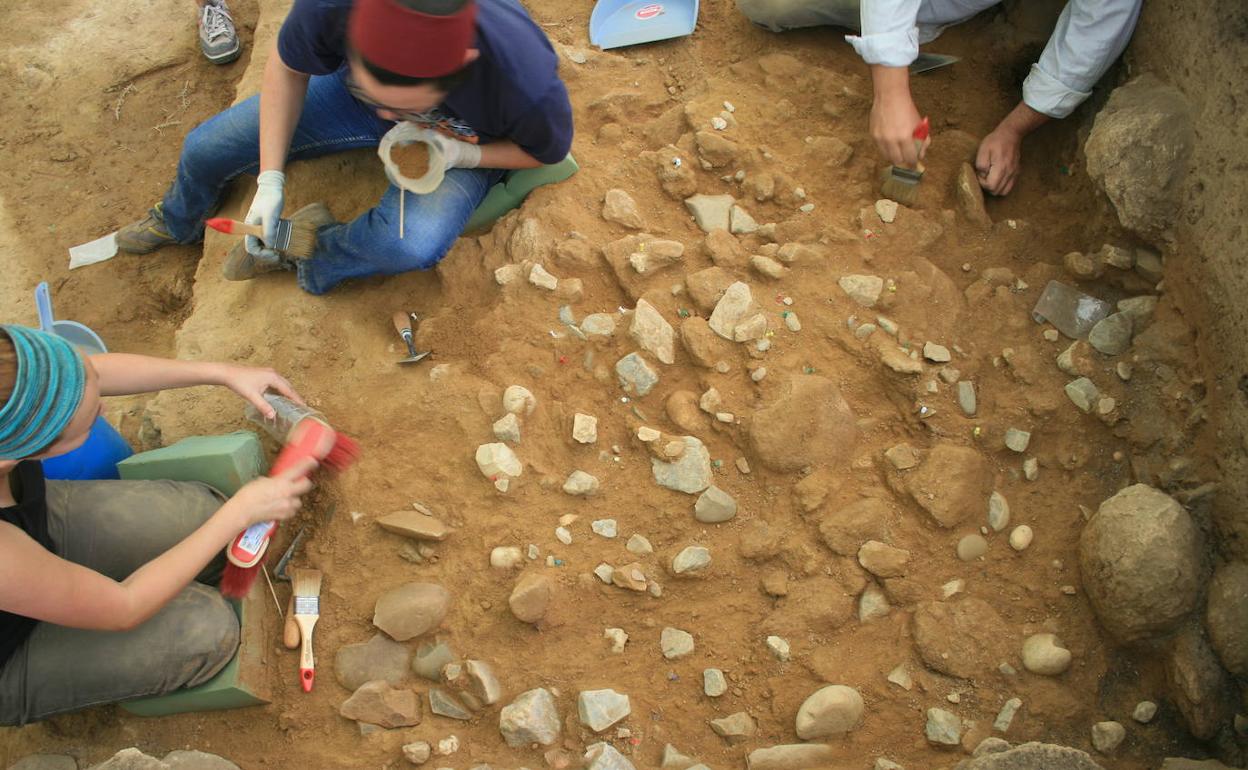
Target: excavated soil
x: 91, y: 140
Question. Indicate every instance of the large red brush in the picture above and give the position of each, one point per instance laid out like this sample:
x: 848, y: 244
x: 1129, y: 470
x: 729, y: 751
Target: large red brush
x: 309, y: 438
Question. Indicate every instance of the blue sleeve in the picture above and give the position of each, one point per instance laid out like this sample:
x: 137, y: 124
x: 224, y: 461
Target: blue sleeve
x: 312, y: 38
x: 544, y: 130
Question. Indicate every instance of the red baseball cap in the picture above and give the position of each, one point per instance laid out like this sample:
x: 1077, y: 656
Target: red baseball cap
x: 405, y: 41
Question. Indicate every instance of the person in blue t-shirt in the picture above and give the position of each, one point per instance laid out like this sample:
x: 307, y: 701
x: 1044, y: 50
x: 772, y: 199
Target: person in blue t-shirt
x: 479, y: 74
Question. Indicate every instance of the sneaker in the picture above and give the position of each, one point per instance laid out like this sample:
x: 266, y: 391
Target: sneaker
x: 146, y: 235
x: 217, y: 37
x: 241, y: 265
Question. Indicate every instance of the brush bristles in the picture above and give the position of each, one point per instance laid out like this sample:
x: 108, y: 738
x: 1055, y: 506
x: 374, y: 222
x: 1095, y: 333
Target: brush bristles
x: 302, y: 239
x: 306, y: 583
x: 902, y: 185
x: 343, y: 454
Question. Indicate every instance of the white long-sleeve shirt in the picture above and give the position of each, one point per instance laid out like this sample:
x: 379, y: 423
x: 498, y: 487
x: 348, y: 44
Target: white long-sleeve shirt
x: 1089, y: 36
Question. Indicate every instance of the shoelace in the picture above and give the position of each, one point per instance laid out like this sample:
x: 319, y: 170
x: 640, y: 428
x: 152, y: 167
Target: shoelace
x: 217, y: 20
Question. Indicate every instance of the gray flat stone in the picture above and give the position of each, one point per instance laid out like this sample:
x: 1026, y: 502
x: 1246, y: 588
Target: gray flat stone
x: 689, y: 474
x: 636, y: 376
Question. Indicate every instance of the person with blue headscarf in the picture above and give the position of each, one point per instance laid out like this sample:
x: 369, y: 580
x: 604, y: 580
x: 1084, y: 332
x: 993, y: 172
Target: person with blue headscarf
x: 105, y: 585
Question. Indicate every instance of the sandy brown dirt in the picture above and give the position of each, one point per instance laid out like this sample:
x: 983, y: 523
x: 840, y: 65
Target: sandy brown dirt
x: 420, y: 426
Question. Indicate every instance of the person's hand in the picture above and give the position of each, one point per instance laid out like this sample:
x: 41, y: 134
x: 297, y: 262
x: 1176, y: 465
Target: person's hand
x: 266, y: 210
x: 893, y: 120
x: 251, y: 382
x: 999, y: 160
x: 457, y: 154
x: 275, y: 498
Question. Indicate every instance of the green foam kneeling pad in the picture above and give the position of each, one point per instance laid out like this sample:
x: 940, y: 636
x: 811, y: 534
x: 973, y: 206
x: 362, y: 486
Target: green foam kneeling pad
x: 223, y: 462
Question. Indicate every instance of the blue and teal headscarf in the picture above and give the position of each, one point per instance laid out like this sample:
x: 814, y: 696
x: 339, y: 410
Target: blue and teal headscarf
x: 51, y: 379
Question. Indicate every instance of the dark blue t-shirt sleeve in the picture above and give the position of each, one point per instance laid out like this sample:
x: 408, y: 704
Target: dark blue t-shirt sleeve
x: 544, y: 130
x: 312, y: 38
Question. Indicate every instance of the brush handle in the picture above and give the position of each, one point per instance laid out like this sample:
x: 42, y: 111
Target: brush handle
x: 307, y: 664
x: 402, y: 323
x: 234, y: 227
x: 290, y: 632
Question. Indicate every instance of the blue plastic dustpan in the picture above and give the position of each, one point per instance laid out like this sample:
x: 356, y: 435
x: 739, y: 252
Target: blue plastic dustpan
x: 617, y: 23
x: 75, y: 333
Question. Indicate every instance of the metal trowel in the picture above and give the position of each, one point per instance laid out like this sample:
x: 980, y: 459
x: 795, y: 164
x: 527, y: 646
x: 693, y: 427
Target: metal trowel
x: 403, y: 325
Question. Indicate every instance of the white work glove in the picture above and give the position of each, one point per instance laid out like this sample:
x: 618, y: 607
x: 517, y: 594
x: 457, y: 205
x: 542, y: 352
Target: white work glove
x: 456, y: 153
x: 266, y: 210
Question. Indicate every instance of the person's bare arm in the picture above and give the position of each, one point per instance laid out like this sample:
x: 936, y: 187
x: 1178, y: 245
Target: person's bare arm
x: 893, y: 115
x: 38, y: 584
x: 124, y: 374
x: 506, y: 154
x: 282, y: 93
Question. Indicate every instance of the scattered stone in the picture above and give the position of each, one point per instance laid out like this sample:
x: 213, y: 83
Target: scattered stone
x: 636, y: 376
x: 507, y: 428
x: 692, y: 560
x: 793, y: 756
x: 951, y: 483
x: 872, y: 604
x: 886, y: 209
x: 675, y: 643
x: 1017, y: 440
x: 518, y: 400
x: 689, y: 474
x: 768, y: 267
x: 808, y: 422
x: 740, y: 221
x: 580, y: 484
x: 1139, y: 309
x: 619, y: 207
x: 1085, y: 267
x: 638, y: 544
x: 604, y: 756
x: 886, y: 764
x: 563, y: 535
x: 713, y: 682
x: 444, y: 704
x: 60, y: 762
x: 1226, y: 616
x: 430, y: 659
x: 599, y: 709
x: 734, y: 727
x: 710, y: 212
x: 1144, y: 712
x: 630, y: 577
x: 542, y: 279
x: 736, y: 305
x: 971, y: 547
x: 714, y: 148
x: 531, y: 597
x: 863, y: 289
x: 882, y: 560
x: 1140, y: 559
x: 971, y: 197
x: 498, y: 461
x: 966, y: 398
x: 531, y: 718
x: 779, y: 648
x: 617, y: 637
x: 411, y: 610
x: 1107, y: 736
x: 584, y: 428
x: 1112, y: 334
x: 653, y: 333
x: 1021, y: 537
x: 415, y: 525
x: 378, y: 703
x: 952, y: 588
x: 1031, y: 469
x: 903, y: 457
x: 1043, y: 654
x: 380, y: 658
x: 714, y: 506
x: 998, y: 511
x: 605, y: 573
x: 418, y: 752
x: 1005, y: 717
x: 964, y: 638
x: 604, y: 527
x: 1083, y: 393
x: 943, y: 728
x: 936, y: 353
x: 598, y: 325
x: 832, y: 710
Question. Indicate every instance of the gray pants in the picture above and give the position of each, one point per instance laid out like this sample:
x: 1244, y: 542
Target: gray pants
x: 115, y: 527
x: 779, y: 15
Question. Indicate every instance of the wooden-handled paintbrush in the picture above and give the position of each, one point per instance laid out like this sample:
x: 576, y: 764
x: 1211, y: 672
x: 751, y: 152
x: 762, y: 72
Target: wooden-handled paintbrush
x: 901, y: 184
x: 307, y: 590
x: 296, y: 239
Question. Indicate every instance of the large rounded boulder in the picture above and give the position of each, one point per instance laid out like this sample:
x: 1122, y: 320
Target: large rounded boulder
x: 1140, y: 556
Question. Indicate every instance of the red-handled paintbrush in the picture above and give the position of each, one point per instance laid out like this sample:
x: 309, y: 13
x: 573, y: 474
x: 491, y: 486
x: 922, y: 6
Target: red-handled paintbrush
x: 901, y: 184
x: 294, y: 238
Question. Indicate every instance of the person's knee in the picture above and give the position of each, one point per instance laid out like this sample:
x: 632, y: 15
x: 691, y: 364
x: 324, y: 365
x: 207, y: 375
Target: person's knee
x: 212, y: 637
x: 767, y: 13
x: 419, y: 250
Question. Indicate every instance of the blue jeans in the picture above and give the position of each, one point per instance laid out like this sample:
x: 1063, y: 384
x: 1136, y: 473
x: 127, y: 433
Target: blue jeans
x: 228, y: 145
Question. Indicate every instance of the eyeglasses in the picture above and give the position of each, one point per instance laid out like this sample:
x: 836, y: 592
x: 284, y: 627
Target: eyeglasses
x: 400, y: 113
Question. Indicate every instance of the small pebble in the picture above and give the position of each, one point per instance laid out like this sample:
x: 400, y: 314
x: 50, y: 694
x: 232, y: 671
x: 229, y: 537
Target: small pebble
x: 792, y: 323
x: 617, y: 637
x: 605, y: 572
x: 639, y: 545
x: 718, y: 123
x: 758, y: 374
x: 563, y: 535
x: 806, y: 208
x: 1107, y: 736
x: 713, y: 682
x: 1017, y: 440
x: 779, y: 648
x: 1052, y: 335
x: 1031, y: 469
x: 1021, y: 537
x: 505, y: 557
x: 604, y: 527
x: 972, y: 547
x: 1144, y: 712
